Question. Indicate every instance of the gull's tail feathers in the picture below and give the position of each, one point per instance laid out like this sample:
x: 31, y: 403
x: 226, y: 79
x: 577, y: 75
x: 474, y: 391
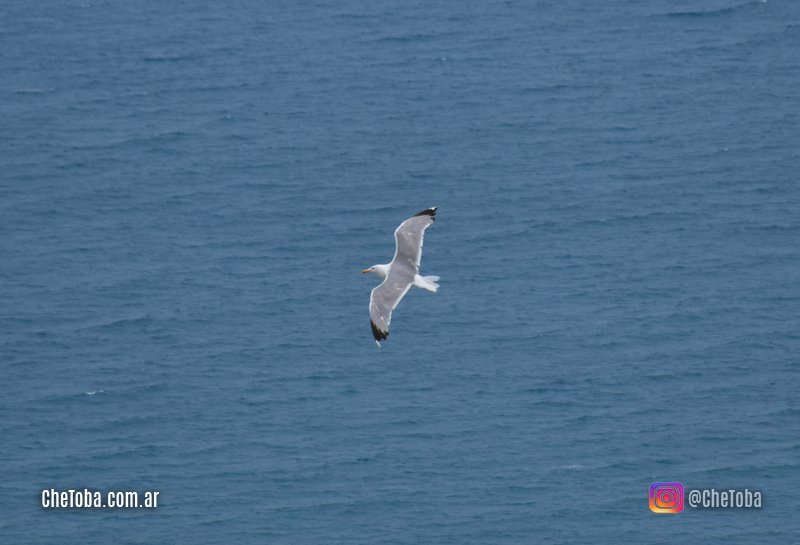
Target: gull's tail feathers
x: 427, y: 282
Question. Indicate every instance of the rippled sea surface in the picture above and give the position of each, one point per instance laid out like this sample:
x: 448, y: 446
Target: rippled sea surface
x: 189, y: 191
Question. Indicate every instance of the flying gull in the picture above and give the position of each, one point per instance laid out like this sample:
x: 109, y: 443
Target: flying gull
x: 401, y: 273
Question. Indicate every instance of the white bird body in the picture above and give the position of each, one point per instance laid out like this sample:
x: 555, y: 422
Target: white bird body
x: 424, y: 282
x: 401, y: 274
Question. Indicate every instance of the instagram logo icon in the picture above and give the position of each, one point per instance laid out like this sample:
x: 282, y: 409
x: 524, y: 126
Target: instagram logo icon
x: 666, y: 497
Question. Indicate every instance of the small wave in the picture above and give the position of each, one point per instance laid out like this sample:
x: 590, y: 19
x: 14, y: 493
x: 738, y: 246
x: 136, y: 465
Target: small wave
x: 707, y: 13
x: 727, y: 10
x: 33, y: 91
x: 413, y: 37
x: 165, y: 57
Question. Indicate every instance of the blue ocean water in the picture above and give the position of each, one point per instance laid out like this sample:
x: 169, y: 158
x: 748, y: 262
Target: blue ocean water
x: 189, y: 191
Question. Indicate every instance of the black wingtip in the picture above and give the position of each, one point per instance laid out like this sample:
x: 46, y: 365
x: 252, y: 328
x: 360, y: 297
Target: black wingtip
x: 377, y: 332
x: 428, y: 212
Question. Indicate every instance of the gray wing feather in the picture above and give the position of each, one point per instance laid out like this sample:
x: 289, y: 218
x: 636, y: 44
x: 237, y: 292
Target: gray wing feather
x: 383, y: 300
x: 409, y: 237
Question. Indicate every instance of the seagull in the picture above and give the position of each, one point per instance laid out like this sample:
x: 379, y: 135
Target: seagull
x: 401, y: 273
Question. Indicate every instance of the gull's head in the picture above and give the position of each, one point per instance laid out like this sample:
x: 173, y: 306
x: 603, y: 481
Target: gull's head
x: 380, y: 270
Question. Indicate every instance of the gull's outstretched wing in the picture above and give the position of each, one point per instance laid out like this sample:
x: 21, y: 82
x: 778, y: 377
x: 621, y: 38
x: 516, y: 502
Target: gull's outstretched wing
x: 383, y: 300
x: 409, y: 237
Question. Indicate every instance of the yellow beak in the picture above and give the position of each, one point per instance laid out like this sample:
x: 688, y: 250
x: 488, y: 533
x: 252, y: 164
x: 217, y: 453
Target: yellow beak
x: 365, y: 271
